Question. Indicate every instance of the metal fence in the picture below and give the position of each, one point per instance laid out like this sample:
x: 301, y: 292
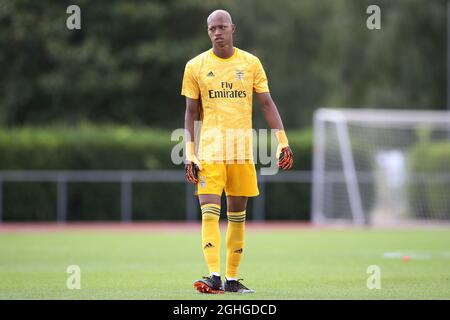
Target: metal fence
x: 127, y: 177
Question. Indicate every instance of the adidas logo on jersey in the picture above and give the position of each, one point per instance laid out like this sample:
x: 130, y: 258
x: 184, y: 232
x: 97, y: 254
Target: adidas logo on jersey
x: 210, y: 74
x: 208, y: 245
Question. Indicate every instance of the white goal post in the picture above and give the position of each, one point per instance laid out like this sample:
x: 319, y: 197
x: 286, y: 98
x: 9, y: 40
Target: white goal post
x: 381, y: 166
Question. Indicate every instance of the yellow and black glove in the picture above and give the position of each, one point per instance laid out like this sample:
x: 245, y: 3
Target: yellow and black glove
x: 192, y: 166
x: 284, y: 153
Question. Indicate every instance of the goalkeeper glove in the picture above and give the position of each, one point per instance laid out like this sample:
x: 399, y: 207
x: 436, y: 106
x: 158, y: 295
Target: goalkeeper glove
x: 193, y: 165
x: 284, y: 153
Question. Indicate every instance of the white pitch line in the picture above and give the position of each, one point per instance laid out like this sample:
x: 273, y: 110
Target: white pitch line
x: 411, y: 255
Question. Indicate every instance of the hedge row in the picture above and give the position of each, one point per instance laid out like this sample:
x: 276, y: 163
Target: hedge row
x: 119, y: 148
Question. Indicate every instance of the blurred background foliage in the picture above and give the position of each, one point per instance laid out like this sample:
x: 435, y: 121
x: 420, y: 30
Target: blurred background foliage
x: 108, y: 96
x: 103, y: 147
x: 126, y: 63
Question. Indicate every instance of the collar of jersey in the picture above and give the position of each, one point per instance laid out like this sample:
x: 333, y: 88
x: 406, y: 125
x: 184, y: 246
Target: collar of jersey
x: 227, y: 59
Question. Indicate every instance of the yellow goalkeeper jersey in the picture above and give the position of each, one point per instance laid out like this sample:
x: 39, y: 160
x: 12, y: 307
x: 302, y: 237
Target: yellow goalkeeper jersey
x: 225, y: 87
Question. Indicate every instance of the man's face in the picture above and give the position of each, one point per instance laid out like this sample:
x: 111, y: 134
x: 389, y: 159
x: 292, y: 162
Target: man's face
x: 220, y: 31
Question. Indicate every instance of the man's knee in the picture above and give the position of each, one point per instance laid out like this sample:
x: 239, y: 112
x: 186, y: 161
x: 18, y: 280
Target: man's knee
x: 210, y: 211
x: 208, y: 198
x: 236, y: 203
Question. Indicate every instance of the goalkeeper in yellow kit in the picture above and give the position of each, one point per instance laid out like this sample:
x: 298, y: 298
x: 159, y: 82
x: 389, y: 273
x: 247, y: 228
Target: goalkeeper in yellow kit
x: 218, y: 85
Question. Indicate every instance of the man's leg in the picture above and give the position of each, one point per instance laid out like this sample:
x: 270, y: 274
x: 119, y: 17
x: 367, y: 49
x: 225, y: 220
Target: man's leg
x: 236, y: 214
x: 241, y: 183
x: 236, y: 207
x: 210, y: 206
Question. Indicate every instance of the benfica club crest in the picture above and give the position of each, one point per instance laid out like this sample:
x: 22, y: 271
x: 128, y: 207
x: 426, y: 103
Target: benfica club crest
x: 202, y: 181
x: 239, y: 74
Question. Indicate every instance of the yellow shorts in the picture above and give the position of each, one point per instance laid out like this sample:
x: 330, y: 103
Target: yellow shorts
x: 238, y: 179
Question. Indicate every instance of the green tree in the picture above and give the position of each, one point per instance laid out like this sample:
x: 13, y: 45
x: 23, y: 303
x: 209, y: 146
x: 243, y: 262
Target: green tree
x: 126, y: 63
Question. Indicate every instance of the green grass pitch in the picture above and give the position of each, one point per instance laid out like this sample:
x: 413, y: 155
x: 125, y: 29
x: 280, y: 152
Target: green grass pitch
x: 278, y: 264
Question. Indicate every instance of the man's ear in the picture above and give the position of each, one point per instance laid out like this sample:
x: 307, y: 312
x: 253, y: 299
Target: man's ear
x: 233, y: 27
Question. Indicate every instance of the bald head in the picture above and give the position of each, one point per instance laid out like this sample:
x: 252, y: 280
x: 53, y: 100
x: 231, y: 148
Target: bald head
x: 219, y: 16
x: 221, y: 29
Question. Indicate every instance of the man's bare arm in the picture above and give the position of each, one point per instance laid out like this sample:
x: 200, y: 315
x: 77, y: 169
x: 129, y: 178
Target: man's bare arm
x: 192, y: 114
x: 270, y: 111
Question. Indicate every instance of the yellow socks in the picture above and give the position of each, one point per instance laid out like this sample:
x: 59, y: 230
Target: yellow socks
x: 211, y: 239
x: 211, y: 236
x: 235, y: 242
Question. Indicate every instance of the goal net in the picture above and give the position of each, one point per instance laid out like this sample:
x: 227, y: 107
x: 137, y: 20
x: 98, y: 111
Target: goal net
x: 381, y: 166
